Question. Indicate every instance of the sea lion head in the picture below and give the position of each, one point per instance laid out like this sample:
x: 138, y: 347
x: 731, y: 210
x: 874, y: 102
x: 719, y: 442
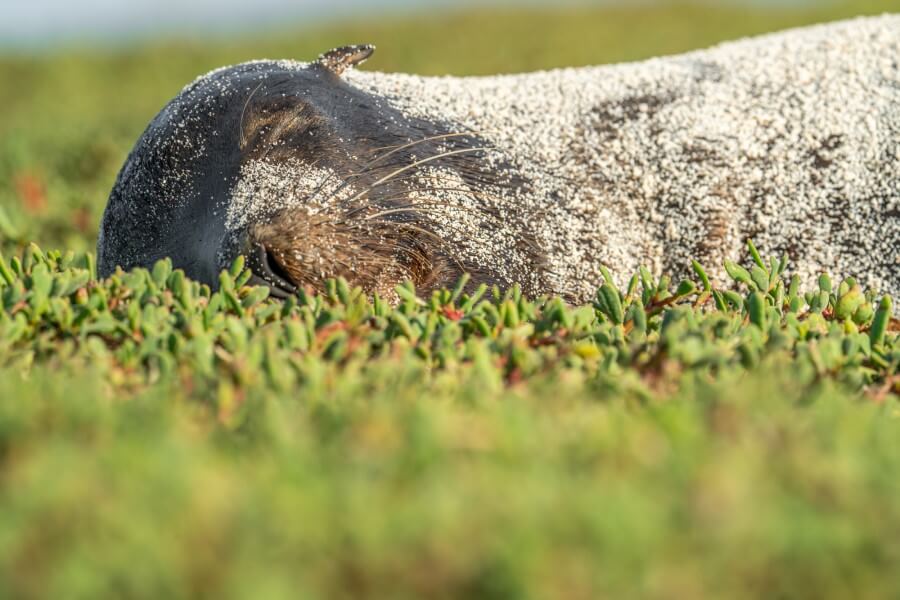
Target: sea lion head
x: 308, y: 177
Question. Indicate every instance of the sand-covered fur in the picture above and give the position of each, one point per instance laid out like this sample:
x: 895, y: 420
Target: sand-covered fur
x: 790, y: 139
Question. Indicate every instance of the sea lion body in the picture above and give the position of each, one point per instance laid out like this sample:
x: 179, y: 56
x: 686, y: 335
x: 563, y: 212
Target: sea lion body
x: 791, y: 139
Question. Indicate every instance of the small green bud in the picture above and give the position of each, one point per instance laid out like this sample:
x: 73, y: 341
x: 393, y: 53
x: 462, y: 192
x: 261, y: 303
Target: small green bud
x: 756, y: 308
x: 882, y: 318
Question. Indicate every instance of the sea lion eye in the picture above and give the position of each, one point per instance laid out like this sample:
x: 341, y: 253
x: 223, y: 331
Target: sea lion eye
x: 282, y: 122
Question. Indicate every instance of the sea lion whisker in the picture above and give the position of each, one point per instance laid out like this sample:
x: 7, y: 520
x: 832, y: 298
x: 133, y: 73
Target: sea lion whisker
x: 422, y: 207
x: 384, y: 213
x: 425, y: 208
x: 325, y: 180
x: 243, y: 140
x: 418, y: 253
x: 469, y: 176
x: 413, y: 165
x: 368, y: 168
x: 480, y: 194
x: 472, y: 132
x: 430, y: 138
x: 421, y: 197
x: 466, y: 190
x: 442, y: 243
x: 415, y: 228
x: 419, y: 177
x: 416, y: 178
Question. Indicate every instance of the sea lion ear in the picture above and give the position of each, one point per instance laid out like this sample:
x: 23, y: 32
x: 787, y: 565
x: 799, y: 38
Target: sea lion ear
x: 340, y: 59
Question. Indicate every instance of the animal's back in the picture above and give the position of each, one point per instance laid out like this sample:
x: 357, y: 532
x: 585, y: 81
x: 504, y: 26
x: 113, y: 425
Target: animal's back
x: 791, y: 139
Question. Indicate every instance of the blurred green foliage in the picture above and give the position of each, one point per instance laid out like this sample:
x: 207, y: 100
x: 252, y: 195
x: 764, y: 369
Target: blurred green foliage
x: 161, y: 440
x: 357, y: 486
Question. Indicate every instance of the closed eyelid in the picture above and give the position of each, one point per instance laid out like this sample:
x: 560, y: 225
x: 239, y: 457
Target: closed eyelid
x: 265, y: 126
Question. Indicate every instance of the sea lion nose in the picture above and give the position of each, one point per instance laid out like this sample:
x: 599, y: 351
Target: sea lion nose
x: 264, y: 270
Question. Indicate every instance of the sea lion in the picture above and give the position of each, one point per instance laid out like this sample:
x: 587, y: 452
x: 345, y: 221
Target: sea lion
x: 316, y: 170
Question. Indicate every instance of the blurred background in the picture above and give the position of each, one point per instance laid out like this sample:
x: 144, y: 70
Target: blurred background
x: 80, y: 80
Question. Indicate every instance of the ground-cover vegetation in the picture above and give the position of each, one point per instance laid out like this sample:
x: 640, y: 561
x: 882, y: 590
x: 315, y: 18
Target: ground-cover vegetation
x: 152, y: 325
